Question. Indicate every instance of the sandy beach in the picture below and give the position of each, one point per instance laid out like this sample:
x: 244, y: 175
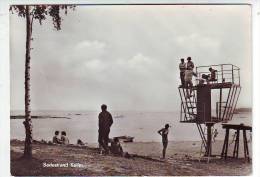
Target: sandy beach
x: 183, y: 158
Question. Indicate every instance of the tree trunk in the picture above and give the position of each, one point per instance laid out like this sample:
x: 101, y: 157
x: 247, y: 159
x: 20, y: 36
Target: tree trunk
x: 28, y: 122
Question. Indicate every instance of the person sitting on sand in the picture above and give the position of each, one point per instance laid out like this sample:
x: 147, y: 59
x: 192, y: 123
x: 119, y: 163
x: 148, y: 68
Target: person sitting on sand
x: 79, y: 142
x: 64, y: 138
x: 164, y: 133
x: 56, y: 139
x: 116, y: 147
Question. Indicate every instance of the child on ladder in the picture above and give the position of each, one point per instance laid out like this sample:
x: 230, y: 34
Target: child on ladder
x: 188, y: 80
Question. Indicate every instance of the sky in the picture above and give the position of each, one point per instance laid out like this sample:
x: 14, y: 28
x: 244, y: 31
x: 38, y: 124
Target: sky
x: 127, y: 56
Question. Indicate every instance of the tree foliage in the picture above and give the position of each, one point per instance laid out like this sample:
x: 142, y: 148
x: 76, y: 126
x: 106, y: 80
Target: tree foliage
x: 39, y: 12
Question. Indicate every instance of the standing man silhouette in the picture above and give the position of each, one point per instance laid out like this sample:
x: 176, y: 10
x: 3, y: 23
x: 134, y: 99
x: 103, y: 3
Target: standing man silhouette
x: 105, y: 121
x: 182, y: 67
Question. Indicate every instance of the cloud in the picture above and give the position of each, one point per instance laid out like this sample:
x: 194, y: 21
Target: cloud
x: 139, y: 62
x: 90, y: 45
x: 127, y: 56
x: 87, y: 50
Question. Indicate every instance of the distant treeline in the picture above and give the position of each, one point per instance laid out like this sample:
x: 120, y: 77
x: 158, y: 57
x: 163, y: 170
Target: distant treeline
x: 38, y: 117
x: 239, y: 110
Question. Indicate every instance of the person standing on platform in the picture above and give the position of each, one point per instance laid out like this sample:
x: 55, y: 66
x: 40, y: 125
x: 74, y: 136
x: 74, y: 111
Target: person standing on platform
x: 182, y: 67
x: 189, y: 63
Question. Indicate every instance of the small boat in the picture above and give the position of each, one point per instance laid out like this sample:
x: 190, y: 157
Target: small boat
x: 126, y: 139
x: 118, y: 116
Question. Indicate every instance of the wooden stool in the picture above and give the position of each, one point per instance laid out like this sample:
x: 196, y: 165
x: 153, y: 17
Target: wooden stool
x: 236, y: 147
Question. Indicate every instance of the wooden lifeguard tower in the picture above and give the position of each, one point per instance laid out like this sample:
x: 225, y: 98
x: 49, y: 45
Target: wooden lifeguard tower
x: 211, y: 102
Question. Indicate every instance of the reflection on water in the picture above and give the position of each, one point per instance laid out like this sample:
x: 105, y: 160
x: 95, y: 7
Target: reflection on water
x: 142, y: 125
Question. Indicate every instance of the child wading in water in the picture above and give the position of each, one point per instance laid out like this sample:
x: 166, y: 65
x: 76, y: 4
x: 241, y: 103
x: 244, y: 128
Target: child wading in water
x: 164, y: 133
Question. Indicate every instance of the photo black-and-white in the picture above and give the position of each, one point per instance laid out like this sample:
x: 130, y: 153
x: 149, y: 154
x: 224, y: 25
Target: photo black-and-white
x: 131, y: 90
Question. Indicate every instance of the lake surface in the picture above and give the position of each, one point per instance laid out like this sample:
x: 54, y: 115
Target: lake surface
x: 141, y: 125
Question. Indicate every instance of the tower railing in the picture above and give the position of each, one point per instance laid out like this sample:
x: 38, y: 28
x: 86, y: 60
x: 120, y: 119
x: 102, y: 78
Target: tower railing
x: 225, y: 73
x: 197, y: 101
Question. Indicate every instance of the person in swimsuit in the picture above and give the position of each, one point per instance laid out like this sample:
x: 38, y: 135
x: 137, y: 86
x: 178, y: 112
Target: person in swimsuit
x: 164, y: 133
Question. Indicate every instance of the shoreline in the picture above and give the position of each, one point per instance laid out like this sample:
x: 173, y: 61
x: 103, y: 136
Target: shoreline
x: 39, y: 117
x: 182, y: 158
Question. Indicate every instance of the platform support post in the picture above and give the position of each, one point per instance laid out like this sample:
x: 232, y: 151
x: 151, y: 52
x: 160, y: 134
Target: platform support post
x: 246, y: 151
x: 236, y: 148
x: 220, y: 104
x: 225, y: 145
x: 209, y: 139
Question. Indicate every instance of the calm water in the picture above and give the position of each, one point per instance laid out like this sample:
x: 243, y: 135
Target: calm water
x: 142, y: 125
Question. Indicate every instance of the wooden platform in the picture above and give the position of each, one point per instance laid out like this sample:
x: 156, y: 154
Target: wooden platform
x: 213, y: 85
x: 189, y: 121
x: 214, y: 120
x: 236, y: 127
